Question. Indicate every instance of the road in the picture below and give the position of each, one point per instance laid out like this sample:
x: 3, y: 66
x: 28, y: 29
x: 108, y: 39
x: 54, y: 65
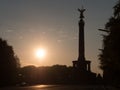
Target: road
x: 60, y: 87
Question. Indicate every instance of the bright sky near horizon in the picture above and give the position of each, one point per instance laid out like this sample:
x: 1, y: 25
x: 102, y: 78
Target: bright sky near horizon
x: 53, y: 26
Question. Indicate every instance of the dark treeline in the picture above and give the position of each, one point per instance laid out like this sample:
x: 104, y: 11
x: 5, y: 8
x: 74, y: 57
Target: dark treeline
x: 110, y: 52
x: 56, y: 74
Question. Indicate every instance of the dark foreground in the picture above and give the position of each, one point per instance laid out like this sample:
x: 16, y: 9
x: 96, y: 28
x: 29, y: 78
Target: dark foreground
x: 60, y: 87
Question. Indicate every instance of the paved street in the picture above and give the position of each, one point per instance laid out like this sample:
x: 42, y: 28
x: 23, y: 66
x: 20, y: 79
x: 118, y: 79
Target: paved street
x: 60, y: 87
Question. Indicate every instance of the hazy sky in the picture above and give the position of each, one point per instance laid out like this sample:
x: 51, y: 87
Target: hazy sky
x: 53, y: 25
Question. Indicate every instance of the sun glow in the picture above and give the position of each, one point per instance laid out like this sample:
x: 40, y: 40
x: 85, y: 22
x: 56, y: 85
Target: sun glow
x: 40, y: 53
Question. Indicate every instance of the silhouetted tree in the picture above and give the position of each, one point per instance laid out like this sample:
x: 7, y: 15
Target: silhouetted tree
x: 56, y: 74
x: 29, y: 75
x: 110, y: 53
x: 9, y: 64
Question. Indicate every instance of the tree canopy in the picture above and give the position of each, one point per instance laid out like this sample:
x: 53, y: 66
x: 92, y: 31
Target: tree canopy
x: 109, y: 56
x: 9, y: 64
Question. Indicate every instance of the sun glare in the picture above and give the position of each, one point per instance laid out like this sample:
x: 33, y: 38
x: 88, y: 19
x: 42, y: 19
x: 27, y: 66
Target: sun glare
x: 40, y: 53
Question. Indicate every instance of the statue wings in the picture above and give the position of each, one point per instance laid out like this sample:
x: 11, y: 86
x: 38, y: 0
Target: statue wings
x: 81, y: 10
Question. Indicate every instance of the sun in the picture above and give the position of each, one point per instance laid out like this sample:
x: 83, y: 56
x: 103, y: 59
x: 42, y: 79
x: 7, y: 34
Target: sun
x: 40, y: 53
